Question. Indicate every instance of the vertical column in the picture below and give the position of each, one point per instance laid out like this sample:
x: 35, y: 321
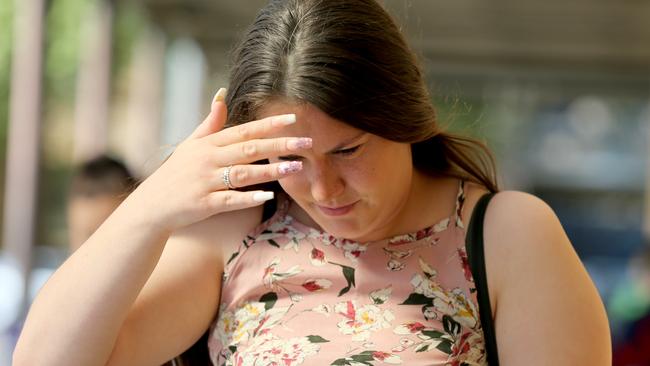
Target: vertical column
x: 23, y: 133
x: 93, y: 84
x: 140, y: 141
x: 185, y: 71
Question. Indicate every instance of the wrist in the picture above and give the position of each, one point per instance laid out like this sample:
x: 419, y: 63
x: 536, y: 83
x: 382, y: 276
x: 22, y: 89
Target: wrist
x: 140, y: 212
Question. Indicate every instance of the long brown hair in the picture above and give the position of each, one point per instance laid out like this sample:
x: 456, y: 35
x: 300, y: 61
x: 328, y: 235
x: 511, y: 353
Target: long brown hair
x: 349, y: 59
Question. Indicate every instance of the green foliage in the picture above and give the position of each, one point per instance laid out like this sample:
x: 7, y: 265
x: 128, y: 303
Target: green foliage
x: 128, y: 25
x: 62, y: 41
x: 6, y: 41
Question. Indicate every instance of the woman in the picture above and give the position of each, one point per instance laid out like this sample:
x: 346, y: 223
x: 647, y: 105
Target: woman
x: 358, y: 255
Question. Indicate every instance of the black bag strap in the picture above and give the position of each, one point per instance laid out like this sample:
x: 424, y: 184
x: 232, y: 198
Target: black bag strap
x: 476, y: 258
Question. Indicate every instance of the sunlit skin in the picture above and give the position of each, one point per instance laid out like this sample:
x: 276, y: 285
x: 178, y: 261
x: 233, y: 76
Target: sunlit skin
x: 347, y: 166
x: 85, y: 214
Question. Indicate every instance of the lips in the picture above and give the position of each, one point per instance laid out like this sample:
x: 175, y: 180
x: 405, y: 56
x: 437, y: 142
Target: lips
x: 336, y: 211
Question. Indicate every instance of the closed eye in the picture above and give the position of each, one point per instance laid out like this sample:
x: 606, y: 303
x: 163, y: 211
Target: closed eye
x: 342, y: 152
x: 348, y: 151
x: 289, y: 158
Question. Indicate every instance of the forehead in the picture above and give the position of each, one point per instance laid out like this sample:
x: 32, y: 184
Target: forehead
x: 310, y: 122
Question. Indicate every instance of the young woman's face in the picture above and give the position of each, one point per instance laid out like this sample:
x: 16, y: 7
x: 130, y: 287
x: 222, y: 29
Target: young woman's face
x: 353, y: 184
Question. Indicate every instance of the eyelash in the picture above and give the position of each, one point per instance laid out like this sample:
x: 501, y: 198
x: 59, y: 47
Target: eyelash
x: 349, y: 151
x: 344, y: 152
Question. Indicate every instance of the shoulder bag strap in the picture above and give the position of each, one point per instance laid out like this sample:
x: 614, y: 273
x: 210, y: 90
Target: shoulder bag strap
x: 476, y: 258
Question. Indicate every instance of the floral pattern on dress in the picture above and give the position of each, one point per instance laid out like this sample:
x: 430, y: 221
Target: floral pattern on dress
x: 461, y: 337
x: 293, y: 299
x: 361, y: 321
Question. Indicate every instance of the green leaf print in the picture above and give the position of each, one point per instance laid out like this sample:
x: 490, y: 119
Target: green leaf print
x: 433, y: 333
x: 363, y: 357
x: 340, y: 362
x: 445, y: 346
x: 233, y: 256
x: 316, y: 339
x: 451, y: 326
x: 269, y: 300
x: 274, y: 243
x: 344, y: 290
x: 417, y: 299
x: 348, y: 273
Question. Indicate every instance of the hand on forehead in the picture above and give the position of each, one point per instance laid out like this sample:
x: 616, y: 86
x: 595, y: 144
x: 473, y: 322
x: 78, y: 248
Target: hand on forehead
x: 327, y: 133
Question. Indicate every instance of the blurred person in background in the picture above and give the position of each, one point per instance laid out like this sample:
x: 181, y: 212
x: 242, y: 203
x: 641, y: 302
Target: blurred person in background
x: 357, y: 256
x: 97, y: 188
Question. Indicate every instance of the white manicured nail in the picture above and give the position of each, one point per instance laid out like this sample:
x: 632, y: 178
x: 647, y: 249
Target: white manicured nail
x: 284, y: 119
x: 220, y: 96
x: 262, y: 196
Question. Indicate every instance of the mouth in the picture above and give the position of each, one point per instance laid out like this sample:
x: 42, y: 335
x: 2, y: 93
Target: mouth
x: 336, y: 211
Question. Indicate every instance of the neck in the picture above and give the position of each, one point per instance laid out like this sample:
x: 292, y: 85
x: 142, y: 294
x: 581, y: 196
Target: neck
x: 430, y: 200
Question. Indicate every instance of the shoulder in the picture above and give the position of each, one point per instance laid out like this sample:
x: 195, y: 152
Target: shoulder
x: 521, y: 231
x: 545, y: 306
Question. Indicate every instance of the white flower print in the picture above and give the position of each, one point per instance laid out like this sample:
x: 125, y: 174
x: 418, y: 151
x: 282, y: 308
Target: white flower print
x: 360, y: 322
x: 381, y: 296
x: 395, y: 265
x: 272, y: 275
x: 316, y: 285
x: 427, y: 269
x: 351, y: 249
x: 317, y: 257
x: 247, y: 321
x: 323, y: 309
x: 441, y: 226
x: 453, y: 303
x: 272, y: 351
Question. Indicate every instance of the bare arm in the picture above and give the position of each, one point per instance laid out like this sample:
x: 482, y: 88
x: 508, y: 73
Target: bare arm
x: 547, y: 310
x: 88, y: 311
x: 180, y: 299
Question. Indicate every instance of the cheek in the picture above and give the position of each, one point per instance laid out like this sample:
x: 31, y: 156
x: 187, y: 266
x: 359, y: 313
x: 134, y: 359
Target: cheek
x: 294, y: 185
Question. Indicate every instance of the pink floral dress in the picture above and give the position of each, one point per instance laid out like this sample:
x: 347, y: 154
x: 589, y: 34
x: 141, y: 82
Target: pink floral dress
x: 293, y: 295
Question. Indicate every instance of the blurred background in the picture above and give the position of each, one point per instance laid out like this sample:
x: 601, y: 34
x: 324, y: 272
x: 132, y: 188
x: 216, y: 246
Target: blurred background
x: 560, y: 90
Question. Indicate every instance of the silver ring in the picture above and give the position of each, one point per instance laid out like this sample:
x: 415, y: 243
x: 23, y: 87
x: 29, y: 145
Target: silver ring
x: 226, y: 177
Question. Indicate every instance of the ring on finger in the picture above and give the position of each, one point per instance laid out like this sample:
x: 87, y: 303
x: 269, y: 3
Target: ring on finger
x: 226, y: 177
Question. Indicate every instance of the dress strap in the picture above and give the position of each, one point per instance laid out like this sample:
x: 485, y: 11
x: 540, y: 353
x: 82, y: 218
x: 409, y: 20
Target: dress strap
x: 460, y: 203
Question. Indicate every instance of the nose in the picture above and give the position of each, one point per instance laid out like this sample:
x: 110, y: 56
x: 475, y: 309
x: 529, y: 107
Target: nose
x: 326, y: 183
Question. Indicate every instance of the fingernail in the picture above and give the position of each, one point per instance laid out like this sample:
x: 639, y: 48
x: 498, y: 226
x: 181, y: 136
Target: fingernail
x: 299, y: 143
x: 220, y: 96
x: 289, y: 167
x: 284, y: 120
x: 262, y: 196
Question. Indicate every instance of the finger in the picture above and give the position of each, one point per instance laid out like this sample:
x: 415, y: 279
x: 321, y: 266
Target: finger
x: 252, y: 130
x: 223, y: 201
x: 254, y: 150
x: 248, y: 175
x: 216, y: 119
